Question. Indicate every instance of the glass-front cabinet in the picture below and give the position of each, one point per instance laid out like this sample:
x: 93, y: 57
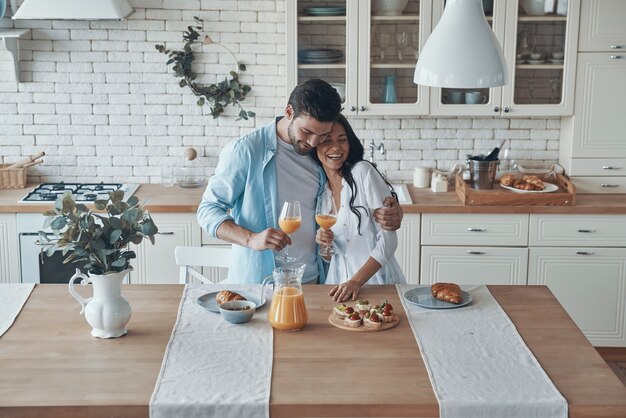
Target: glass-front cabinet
x: 367, y: 49
x: 540, y: 51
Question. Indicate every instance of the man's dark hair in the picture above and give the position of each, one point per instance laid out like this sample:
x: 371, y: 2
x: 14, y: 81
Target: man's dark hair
x: 317, y: 99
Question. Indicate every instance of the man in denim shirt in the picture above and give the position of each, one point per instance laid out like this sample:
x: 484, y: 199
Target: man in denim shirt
x: 259, y: 171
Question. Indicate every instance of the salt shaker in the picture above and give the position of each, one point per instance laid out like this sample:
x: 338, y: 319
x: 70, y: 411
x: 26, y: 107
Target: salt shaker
x: 439, y: 183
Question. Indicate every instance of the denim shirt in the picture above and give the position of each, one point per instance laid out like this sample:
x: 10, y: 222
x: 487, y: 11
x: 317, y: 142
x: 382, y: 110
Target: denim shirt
x: 245, y: 184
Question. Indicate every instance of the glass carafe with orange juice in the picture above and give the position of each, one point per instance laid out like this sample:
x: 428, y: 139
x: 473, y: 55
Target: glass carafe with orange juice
x: 287, y: 310
x: 289, y: 221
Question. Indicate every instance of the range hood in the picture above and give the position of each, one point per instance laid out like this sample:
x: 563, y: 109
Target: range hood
x: 73, y: 9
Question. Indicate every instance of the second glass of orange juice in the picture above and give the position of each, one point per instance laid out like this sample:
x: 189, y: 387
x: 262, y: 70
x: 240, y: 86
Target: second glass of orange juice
x: 326, y: 217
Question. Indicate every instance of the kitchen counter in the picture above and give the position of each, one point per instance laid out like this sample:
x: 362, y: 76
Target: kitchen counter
x: 50, y: 365
x: 179, y: 200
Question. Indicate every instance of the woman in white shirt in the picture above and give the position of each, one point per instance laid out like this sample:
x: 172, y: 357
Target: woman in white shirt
x: 363, y: 250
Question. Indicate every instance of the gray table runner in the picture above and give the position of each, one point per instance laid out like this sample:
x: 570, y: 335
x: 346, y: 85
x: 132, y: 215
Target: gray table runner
x: 212, y: 368
x: 478, y: 364
x: 13, y: 296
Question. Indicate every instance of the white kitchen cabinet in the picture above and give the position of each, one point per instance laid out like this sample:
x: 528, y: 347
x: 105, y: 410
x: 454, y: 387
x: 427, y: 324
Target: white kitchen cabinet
x: 590, y: 283
x: 215, y: 274
x: 582, y: 259
x: 155, y: 264
x: 592, y: 149
x: 408, y: 254
x: 9, y: 255
x: 365, y: 51
x: 474, y: 248
x: 540, y: 87
x: 602, y: 26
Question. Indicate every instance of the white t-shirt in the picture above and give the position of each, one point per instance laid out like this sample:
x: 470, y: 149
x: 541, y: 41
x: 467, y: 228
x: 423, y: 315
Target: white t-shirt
x: 298, y: 179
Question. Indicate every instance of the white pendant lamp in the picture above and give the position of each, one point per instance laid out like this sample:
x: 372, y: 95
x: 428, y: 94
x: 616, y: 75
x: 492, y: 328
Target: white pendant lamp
x: 462, y: 51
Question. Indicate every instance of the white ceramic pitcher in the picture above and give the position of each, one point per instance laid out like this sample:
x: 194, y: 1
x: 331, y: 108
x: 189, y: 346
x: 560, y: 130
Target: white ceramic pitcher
x: 107, y: 311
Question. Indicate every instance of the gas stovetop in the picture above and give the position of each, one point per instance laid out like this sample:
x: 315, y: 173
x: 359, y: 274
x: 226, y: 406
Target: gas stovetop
x: 83, y: 192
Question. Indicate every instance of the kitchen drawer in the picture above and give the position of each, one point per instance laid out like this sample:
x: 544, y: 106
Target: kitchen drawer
x: 474, y: 265
x: 475, y: 229
x: 575, y: 230
x: 598, y: 167
x: 594, y: 185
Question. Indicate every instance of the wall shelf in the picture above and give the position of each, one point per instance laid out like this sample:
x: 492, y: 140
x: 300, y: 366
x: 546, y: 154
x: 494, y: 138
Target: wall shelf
x: 9, y: 40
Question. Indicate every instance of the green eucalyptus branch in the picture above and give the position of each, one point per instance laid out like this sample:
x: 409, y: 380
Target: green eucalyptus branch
x: 217, y: 96
x: 100, y: 240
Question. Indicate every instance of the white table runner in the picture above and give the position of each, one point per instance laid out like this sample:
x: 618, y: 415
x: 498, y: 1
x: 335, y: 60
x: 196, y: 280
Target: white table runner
x: 213, y: 368
x: 478, y: 364
x: 13, y: 296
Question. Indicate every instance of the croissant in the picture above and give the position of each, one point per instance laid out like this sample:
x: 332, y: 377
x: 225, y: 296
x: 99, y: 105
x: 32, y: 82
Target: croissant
x: 507, y: 180
x: 448, y: 292
x: 227, y: 296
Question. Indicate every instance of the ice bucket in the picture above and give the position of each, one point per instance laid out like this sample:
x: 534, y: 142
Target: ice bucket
x: 482, y: 173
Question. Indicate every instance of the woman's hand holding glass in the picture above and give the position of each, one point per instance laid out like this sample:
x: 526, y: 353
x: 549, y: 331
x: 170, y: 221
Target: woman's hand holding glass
x: 289, y: 221
x: 324, y: 238
x: 326, y: 217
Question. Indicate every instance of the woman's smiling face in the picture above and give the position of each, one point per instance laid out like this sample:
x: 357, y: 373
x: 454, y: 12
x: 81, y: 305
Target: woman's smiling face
x: 332, y: 151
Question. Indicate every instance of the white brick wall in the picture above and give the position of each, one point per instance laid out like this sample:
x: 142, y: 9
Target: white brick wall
x: 98, y: 99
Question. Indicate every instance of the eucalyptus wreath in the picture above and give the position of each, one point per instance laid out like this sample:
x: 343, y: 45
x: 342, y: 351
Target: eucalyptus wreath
x: 217, y: 96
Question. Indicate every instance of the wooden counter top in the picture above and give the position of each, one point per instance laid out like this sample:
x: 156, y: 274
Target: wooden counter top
x: 177, y: 199
x: 51, y: 366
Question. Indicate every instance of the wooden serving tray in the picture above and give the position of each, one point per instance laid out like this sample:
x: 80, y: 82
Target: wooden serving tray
x: 338, y: 322
x: 499, y: 196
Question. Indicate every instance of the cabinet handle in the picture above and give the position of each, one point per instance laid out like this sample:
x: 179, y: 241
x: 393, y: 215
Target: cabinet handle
x: 476, y: 230
x: 609, y: 185
x: 617, y: 46
x: 352, y: 108
x: 617, y: 57
x: 362, y: 108
x: 507, y: 109
x: 586, y: 231
x: 165, y: 233
x: 496, y: 109
x: 475, y: 252
x: 584, y: 252
x: 608, y: 167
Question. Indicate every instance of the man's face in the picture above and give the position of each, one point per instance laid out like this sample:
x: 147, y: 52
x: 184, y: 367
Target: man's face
x: 305, y: 132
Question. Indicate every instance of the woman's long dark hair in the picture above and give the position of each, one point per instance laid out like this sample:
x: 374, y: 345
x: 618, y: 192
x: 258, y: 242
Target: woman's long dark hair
x: 354, y: 156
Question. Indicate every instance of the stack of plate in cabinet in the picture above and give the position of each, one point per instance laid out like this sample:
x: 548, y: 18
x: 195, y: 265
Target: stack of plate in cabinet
x: 319, y: 55
x: 325, y: 11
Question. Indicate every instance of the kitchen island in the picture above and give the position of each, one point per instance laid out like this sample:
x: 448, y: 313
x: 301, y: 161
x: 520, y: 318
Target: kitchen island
x: 51, y: 366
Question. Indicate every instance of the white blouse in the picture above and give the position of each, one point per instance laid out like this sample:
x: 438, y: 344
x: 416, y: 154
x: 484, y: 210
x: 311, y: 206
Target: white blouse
x: 353, y: 250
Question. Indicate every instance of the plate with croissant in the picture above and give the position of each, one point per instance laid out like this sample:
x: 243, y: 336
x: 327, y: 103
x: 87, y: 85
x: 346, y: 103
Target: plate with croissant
x: 439, y: 296
x: 212, y: 301
x: 526, y: 184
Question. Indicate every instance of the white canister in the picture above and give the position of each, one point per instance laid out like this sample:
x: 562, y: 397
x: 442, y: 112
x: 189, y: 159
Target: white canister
x: 421, y: 177
x: 439, y: 183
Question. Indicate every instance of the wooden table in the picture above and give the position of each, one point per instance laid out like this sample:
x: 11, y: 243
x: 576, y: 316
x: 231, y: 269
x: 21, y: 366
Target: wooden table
x: 50, y: 365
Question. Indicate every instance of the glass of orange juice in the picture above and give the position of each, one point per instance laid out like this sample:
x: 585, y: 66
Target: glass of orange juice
x: 289, y: 221
x: 287, y: 309
x: 326, y: 217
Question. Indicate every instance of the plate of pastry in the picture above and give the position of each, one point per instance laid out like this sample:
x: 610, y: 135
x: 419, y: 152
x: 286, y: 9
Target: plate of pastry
x: 547, y: 188
x: 364, y: 317
x: 212, y: 301
x: 439, y: 296
x: 526, y: 184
